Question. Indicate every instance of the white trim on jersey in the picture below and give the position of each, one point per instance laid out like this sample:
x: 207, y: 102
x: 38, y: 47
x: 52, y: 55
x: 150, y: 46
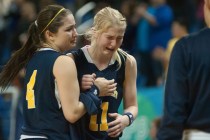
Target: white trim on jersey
x: 22, y: 137
x: 57, y: 95
x: 192, y: 134
x: 89, y: 59
x: 46, y: 49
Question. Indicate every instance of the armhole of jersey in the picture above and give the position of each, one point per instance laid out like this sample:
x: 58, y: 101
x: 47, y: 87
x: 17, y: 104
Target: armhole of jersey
x: 55, y: 83
x: 123, y: 58
x: 54, y: 64
x: 76, y: 54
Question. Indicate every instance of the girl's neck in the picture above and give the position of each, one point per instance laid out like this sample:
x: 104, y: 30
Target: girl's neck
x: 98, y: 58
x: 47, y: 45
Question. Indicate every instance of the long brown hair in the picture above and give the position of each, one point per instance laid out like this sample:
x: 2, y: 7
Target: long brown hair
x: 35, y: 38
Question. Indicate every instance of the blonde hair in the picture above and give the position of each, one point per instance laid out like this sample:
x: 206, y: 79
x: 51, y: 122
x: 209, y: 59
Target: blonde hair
x: 103, y: 20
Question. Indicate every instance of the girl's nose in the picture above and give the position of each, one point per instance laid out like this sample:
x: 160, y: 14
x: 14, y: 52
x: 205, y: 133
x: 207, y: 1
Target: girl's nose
x: 75, y: 32
x: 113, y: 43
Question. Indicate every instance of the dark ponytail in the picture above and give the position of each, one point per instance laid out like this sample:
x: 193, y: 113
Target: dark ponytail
x: 36, y: 37
x: 20, y: 58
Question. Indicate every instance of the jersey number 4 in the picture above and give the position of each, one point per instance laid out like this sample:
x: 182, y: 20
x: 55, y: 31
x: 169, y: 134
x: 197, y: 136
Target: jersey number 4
x: 103, y: 126
x: 30, y: 92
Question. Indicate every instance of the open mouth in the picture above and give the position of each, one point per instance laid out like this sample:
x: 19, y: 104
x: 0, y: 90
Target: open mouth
x: 73, y: 41
x: 110, y: 49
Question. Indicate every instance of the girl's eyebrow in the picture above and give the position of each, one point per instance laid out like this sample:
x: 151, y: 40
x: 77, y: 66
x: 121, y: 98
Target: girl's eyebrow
x: 71, y: 25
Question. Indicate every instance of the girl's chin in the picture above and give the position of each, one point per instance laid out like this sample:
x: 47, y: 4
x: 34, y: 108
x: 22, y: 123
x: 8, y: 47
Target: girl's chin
x: 73, y: 44
x: 109, y: 53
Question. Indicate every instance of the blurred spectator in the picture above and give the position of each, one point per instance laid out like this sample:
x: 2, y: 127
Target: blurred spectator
x: 127, y: 9
x: 1, y: 135
x: 85, y: 21
x: 27, y: 15
x: 113, y: 3
x: 10, y: 117
x: 179, y: 29
x: 142, y: 54
x: 4, y: 6
x: 19, y: 82
x: 44, y: 3
x: 155, y: 125
x: 70, y: 4
x: 199, y: 23
x: 5, y: 112
x: 186, y: 9
x: 12, y: 22
x: 157, y: 18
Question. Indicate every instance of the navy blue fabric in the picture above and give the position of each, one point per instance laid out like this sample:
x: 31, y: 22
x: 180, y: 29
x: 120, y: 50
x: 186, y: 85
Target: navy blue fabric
x: 46, y: 119
x: 111, y: 72
x: 92, y: 102
x: 187, y: 90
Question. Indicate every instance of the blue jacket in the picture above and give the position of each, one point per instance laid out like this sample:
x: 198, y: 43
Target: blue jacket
x: 187, y: 91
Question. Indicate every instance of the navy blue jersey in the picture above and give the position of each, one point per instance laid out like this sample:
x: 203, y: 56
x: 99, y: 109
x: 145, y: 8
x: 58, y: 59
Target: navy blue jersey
x: 96, y: 125
x: 42, y: 112
x: 187, y: 91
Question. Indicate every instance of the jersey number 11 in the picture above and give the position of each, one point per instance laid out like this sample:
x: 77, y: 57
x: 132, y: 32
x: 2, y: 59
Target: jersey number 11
x: 103, y: 126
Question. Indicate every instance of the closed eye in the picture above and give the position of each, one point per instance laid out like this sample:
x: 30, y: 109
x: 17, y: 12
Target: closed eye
x: 70, y: 28
x: 110, y: 37
x: 119, y: 38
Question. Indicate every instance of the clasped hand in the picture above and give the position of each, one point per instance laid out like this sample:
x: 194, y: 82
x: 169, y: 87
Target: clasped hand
x: 106, y: 87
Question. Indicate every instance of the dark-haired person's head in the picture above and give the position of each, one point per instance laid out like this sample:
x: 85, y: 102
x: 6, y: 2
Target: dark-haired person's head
x: 53, y: 28
x: 179, y: 27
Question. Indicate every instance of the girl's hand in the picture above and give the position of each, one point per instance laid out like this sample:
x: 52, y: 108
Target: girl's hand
x: 117, y: 126
x: 87, y: 81
x: 106, y: 87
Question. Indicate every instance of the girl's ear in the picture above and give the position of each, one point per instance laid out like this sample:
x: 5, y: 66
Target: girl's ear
x: 49, y: 35
x: 95, y: 34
